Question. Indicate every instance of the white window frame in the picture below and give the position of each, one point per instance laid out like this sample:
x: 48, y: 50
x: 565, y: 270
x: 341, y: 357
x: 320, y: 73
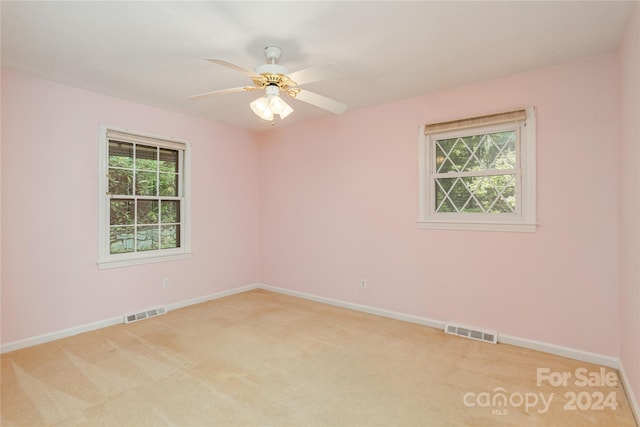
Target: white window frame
x: 524, y: 219
x: 105, y: 258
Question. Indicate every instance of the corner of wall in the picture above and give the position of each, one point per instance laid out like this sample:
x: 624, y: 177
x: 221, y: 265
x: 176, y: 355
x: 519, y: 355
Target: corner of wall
x: 629, y: 208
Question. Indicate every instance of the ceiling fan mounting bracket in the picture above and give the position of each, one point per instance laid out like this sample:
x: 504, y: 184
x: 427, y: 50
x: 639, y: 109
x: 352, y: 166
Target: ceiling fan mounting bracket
x: 272, y: 54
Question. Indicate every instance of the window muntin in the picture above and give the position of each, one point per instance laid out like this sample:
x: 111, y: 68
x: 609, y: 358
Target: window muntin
x: 479, y: 173
x: 144, y: 202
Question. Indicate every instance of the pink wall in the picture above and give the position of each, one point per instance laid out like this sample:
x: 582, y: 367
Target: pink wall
x: 630, y: 202
x: 339, y: 203
x: 50, y: 280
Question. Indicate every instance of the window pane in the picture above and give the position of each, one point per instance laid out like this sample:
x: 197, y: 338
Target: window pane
x: 492, y: 151
x: 488, y: 194
x: 147, y: 238
x: 146, y: 183
x: 146, y: 158
x: 443, y: 204
x: 169, y: 160
x: 500, y: 192
x: 120, y: 154
x: 170, y: 211
x: 443, y: 147
x: 460, y: 153
x: 121, y: 212
x: 121, y: 240
x: 476, y: 152
x: 459, y: 194
x: 170, y: 236
x: 168, y: 184
x: 120, y: 182
x: 503, y: 205
x: 147, y: 212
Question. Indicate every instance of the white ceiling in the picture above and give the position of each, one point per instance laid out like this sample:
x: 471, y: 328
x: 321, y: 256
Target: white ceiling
x: 152, y: 52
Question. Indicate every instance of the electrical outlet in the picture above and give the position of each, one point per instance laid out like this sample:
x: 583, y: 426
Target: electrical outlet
x: 165, y: 283
x: 363, y: 284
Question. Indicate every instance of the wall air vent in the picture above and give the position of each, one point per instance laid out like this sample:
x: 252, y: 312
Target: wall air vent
x: 134, y: 317
x: 473, y: 333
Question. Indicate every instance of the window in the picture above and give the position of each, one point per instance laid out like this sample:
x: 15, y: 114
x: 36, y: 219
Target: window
x: 143, y: 199
x: 479, y: 173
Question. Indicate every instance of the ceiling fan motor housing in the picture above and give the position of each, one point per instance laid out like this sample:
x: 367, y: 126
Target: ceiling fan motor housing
x: 272, y: 54
x: 272, y: 74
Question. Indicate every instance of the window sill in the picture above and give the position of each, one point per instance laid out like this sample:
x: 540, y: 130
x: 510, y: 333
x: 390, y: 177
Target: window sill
x: 102, y: 265
x: 478, y: 226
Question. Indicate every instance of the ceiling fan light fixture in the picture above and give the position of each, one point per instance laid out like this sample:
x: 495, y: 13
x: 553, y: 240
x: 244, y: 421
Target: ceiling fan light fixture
x: 267, y: 115
x: 287, y: 110
x: 261, y: 108
x: 276, y: 104
x: 270, y: 104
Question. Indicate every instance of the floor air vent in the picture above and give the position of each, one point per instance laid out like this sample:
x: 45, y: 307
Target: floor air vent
x: 473, y: 333
x: 134, y: 317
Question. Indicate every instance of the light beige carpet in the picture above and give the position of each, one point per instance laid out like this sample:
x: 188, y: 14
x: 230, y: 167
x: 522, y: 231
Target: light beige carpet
x: 266, y: 359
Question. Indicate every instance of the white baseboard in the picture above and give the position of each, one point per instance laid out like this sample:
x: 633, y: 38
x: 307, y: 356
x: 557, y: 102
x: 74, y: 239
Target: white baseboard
x: 633, y: 402
x: 357, y: 307
x: 221, y: 294
x: 56, y: 335
x: 64, y: 333
x: 558, y: 350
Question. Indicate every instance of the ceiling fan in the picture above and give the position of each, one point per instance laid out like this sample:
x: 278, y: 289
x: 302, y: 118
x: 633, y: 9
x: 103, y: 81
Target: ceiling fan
x: 274, y: 79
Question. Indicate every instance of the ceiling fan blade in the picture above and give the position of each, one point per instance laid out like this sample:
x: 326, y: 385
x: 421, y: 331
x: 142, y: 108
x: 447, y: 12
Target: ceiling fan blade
x: 223, y: 91
x: 313, y: 74
x: 233, y: 67
x: 321, y: 101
